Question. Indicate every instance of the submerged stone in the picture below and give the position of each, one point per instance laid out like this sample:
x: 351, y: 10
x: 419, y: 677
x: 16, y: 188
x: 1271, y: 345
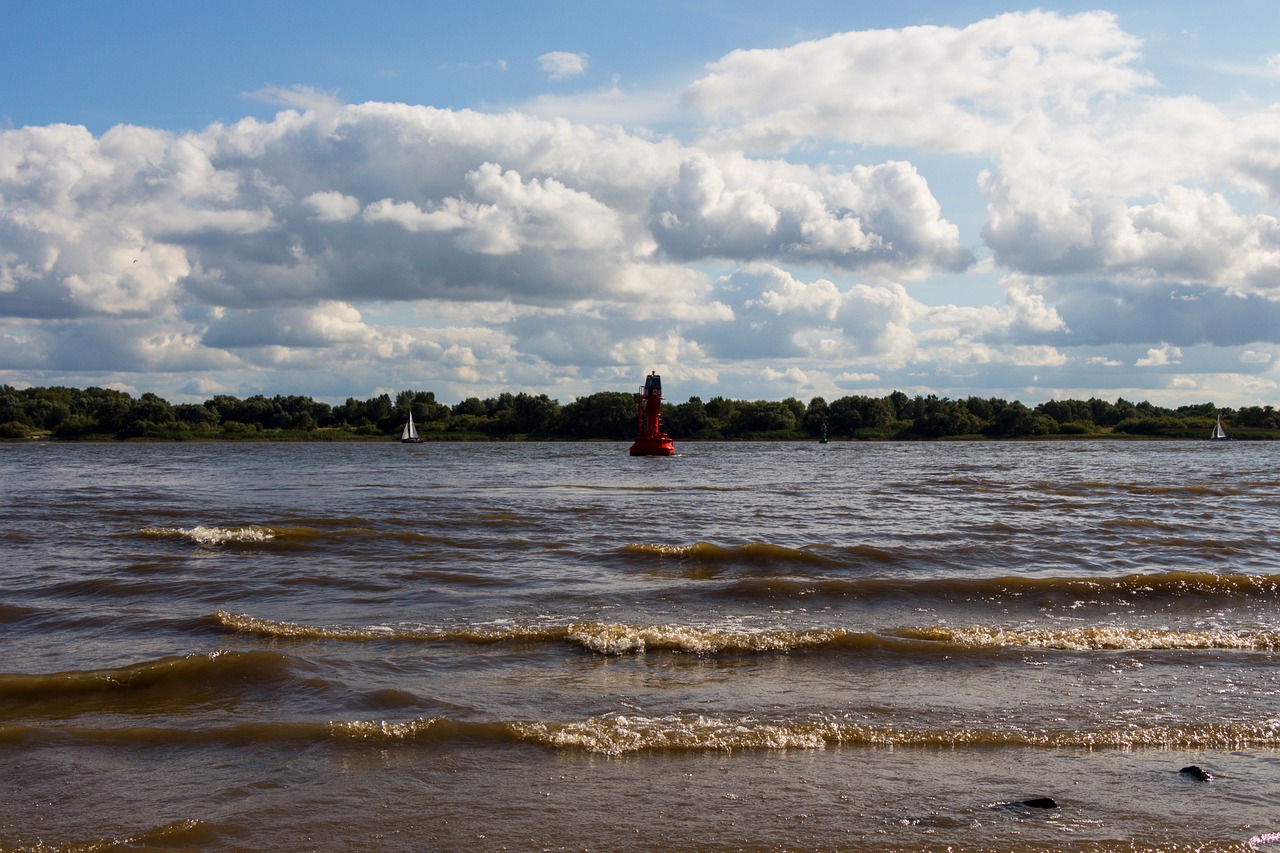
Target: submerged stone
x: 1039, y: 803
x: 1032, y: 803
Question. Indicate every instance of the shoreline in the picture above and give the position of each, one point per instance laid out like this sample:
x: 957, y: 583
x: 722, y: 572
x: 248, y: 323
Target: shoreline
x: 286, y: 438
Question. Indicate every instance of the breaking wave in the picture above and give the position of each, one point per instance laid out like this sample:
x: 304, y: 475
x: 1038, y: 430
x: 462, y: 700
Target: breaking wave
x: 213, y: 536
x: 600, y: 637
x: 629, y: 734
x: 616, y: 735
x: 622, y: 639
x: 1098, y: 638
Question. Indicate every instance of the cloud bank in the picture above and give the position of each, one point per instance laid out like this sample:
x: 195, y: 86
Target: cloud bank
x: 1128, y: 237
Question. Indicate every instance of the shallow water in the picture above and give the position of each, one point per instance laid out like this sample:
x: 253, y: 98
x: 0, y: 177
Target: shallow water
x: 557, y: 646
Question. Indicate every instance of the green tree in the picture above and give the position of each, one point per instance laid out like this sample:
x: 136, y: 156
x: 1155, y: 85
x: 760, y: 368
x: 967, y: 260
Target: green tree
x: 722, y: 412
x: 688, y: 419
x: 534, y: 415
x: 471, y: 406
x: 1151, y: 425
x: 13, y: 409
x: 815, y: 415
x: 1016, y: 420
x: 606, y: 414
x: 903, y: 407
x: 76, y: 426
x: 379, y: 412
x: 938, y: 418
x: 844, y: 417
x: 1259, y: 417
x: 763, y: 416
x: 983, y: 409
x: 151, y: 409
x: 1066, y: 411
x: 199, y: 418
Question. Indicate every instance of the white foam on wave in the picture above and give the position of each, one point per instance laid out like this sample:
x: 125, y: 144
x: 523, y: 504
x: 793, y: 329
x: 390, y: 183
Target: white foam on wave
x: 212, y: 536
x: 618, y: 639
x: 1101, y: 637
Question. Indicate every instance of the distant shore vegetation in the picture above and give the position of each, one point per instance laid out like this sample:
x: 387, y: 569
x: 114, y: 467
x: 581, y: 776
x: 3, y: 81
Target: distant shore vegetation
x: 100, y: 413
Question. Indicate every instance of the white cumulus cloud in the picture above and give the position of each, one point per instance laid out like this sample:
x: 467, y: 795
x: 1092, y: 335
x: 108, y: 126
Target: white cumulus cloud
x: 1160, y: 356
x: 561, y: 65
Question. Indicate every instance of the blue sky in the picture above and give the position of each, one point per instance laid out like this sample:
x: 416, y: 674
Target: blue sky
x: 759, y: 202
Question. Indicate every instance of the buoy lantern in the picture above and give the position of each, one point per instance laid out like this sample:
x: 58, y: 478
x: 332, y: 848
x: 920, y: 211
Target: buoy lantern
x: 650, y: 439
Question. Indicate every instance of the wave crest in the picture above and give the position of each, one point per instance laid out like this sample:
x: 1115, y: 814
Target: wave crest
x: 753, y: 553
x: 185, y: 678
x: 601, y: 637
x: 629, y: 734
x: 244, y: 624
x: 1097, y: 638
x: 213, y: 536
x: 615, y: 638
x: 618, y: 735
x: 618, y: 639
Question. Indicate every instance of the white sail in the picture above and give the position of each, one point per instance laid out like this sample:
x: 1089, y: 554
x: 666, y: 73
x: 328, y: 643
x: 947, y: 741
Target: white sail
x: 410, y: 432
x: 1218, y: 432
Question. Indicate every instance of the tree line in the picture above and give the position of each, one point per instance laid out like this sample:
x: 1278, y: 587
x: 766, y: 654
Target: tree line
x: 80, y: 413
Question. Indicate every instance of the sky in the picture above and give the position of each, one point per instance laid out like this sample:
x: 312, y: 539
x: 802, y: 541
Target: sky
x: 756, y: 200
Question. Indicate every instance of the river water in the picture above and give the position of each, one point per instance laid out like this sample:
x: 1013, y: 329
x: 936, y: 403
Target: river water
x: 775, y: 646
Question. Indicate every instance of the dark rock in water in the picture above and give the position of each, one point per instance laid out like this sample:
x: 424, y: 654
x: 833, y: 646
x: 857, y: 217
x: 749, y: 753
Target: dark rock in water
x: 1039, y: 803
x: 1033, y: 803
x: 1197, y: 773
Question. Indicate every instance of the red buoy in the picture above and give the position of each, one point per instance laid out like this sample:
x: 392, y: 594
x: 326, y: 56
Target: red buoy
x: 650, y: 439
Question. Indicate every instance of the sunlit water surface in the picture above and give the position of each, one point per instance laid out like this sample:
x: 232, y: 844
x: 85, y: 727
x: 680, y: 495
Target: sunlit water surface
x: 557, y: 646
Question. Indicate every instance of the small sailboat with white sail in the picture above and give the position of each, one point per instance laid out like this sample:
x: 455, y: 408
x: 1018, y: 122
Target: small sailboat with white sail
x: 410, y: 433
x: 1218, y: 434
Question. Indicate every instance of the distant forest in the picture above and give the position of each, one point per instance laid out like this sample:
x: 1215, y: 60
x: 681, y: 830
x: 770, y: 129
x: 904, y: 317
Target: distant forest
x: 99, y: 413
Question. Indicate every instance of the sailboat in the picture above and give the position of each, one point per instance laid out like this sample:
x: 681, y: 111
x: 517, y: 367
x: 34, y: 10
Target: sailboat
x: 410, y: 434
x: 1219, y: 434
